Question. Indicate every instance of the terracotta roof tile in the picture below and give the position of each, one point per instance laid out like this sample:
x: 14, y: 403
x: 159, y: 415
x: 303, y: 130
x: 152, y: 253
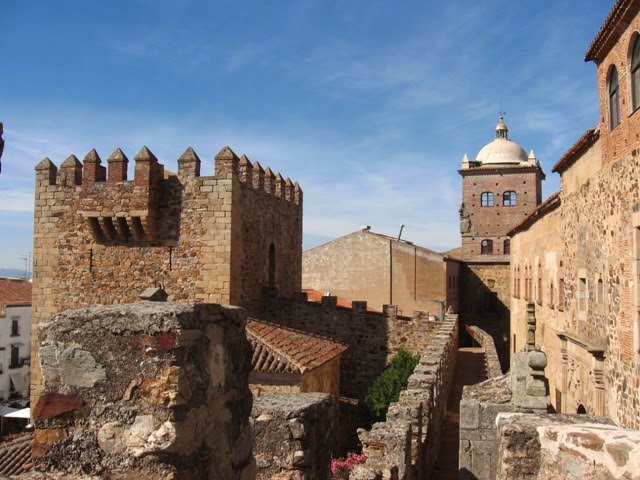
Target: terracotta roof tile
x: 15, y: 291
x: 545, y: 207
x: 15, y: 456
x: 617, y: 21
x: 278, y: 349
x: 587, y: 139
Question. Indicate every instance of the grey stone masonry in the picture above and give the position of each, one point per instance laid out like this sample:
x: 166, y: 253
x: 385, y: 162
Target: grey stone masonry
x: 151, y: 391
x: 293, y: 435
x: 565, y: 447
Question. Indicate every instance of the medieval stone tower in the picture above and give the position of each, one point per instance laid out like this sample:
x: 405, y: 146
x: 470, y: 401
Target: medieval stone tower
x: 499, y: 189
x: 102, y: 239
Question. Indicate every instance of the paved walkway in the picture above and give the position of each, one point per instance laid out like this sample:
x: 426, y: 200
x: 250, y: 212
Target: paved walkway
x: 470, y: 369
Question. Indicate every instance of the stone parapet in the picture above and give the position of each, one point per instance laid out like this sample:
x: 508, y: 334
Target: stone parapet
x: 485, y: 340
x: 565, y: 446
x: 147, y: 391
x: 479, y: 406
x: 293, y: 436
x: 406, y: 445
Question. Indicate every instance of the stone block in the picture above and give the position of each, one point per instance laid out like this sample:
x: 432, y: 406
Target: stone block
x: 469, y: 415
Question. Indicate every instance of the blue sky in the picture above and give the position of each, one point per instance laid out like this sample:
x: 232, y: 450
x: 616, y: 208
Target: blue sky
x: 369, y: 105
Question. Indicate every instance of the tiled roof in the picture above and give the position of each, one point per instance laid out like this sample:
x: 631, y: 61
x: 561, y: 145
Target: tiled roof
x: 545, y: 207
x: 15, y: 291
x: 15, y: 456
x: 617, y: 21
x: 278, y: 349
x: 587, y: 139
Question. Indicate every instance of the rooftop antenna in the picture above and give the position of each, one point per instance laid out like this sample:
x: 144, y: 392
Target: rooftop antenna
x: 400, y: 234
x: 27, y: 264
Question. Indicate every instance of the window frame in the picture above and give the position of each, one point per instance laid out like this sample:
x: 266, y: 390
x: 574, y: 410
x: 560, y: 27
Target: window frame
x: 486, y: 247
x: 634, y: 72
x: 613, y: 97
x: 487, y: 199
x: 512, y: 199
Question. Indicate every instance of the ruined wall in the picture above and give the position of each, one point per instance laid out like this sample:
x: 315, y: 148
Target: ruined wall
x: 100, y: 238
x: 406, y: 445
x: 373, y: 338
x: 293, y: 436
x: 485, y: 300
x: 380, y: 270
x: 146, y: 391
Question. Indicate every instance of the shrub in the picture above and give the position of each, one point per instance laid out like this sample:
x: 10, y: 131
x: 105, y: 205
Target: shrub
x: 340, y: 468
x: 390, y: 383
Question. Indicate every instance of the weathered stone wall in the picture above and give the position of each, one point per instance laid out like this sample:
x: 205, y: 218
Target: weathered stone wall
x: 485, y: 302
x: 478, y: 436
x: 536, y: 260
x: 101, y: 239
x: 373, y: 338
x: 146, y: 391
x: 491, y: 359
x: 381, y: 270
x: 565, y: 447
x: 293, y: 436
x: 406, y: 445
x: 587, y: 308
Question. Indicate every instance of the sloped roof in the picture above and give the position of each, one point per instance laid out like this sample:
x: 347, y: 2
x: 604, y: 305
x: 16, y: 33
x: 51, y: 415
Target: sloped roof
x: 587, y: 139
x: 15, y: 291
x: 545, y: 207
x: 278, y: 349
x: 15, y: 456
x: 617, y: 21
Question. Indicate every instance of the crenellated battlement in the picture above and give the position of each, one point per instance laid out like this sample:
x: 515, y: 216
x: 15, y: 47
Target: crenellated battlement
x: 121, y: 210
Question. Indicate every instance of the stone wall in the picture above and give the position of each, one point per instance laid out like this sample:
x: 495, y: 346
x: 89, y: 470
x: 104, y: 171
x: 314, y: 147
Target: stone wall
x: 491, y: 359
x: 293, y: 436
x: 147, y: 391
x: 485, y: 303
x: 373, y: 338
x: 100, y: 238
x: 479, y: 406
x: 406, y: 445
x: 565, y: 446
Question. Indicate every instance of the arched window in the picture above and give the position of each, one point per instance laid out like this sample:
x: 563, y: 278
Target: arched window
x: 506, y: 248
x: 486, y: 247
x: 272, y: 265
x: 635, y: 73
x: 614, y: 98
x: 509, y: 199
x: 486, y: 199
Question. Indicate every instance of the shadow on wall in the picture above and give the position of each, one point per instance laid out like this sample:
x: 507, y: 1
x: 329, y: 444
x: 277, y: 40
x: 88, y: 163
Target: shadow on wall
x: 483, y: 305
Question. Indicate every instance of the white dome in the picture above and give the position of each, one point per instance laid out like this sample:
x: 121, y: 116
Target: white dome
x: 502, y: 150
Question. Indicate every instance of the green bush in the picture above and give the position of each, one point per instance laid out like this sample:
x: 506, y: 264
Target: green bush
x: 390, y: 383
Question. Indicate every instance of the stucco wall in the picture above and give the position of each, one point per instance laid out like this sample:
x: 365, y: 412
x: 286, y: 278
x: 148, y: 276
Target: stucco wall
x: 378, y: 269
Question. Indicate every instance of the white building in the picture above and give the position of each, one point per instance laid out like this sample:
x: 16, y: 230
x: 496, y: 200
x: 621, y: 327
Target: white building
x: 15, y: 336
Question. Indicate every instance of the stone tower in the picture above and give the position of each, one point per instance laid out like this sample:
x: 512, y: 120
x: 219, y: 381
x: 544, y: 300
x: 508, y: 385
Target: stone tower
x: 499, y: 189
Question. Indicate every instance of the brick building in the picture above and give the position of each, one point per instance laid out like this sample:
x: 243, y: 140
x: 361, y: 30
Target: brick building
x: 585, y: 277
x: 100, y: 238
x: 383, y: 270
x: 499, y: 188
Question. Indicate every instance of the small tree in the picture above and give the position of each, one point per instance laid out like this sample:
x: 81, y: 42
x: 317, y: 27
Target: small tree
x: 390, y: 383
